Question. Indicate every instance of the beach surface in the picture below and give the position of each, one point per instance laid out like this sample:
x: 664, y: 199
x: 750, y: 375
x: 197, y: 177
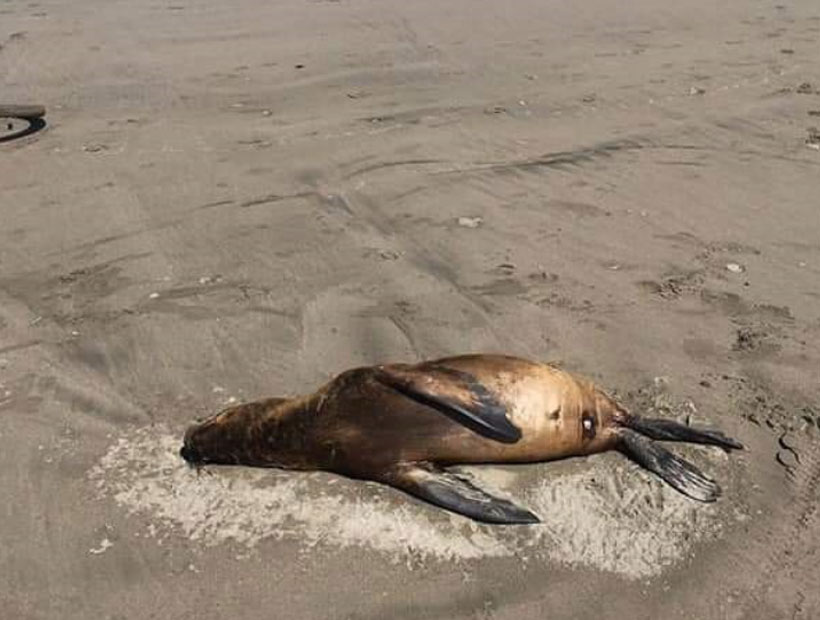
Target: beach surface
x: 239, y: 199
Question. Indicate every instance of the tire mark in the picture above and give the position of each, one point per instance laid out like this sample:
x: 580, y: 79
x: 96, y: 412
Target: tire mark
x: 557, y: 159
x: 20, y: 346
x: 404, y: 328
x: 391, y: 164
x: 426, y: 260
x: 271, y: 198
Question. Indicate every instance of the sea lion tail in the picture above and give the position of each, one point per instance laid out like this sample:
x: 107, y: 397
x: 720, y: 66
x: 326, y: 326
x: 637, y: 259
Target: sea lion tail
x: 669, y: 430
x: 677, y: 472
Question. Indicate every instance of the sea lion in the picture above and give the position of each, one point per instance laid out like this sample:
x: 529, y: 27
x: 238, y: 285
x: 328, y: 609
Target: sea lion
x: 401, y: 424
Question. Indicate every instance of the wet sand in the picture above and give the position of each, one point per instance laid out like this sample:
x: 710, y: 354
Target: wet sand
x: 239, y: 200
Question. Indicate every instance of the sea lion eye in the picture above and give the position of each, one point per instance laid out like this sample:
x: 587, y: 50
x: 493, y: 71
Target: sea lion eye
x: 588, y: 425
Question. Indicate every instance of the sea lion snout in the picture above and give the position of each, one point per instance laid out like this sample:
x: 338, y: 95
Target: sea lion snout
x: 204, y: 442
x: 188, y: 451
x: 227, y: 437
x: 189, y: 454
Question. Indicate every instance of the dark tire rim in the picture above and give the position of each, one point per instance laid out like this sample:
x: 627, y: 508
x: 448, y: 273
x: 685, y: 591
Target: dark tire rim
x: 13, y: 127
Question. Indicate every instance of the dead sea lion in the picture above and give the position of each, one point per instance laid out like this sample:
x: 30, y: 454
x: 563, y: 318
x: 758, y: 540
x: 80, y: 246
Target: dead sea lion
x: 401, y: 424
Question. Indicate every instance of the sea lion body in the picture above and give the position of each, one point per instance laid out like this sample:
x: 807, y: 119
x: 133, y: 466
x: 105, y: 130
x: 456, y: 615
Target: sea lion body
x: 400, y: 424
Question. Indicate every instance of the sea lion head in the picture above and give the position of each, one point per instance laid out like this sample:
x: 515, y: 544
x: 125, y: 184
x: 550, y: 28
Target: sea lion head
x: 222, y: 438
x: 204, y: 442
x: 234, y: 436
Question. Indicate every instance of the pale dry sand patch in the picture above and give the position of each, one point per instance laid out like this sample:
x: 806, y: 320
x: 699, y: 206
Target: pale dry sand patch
x: 612, y: 519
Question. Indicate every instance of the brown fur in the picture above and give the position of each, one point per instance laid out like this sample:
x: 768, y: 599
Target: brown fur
x: 357, y: 426
x: 401, y: 424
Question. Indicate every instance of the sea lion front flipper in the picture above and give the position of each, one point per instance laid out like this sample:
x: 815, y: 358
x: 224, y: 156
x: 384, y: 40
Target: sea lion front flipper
x: 454, y: 493
x: 456, y: 394
x: 680, y: 474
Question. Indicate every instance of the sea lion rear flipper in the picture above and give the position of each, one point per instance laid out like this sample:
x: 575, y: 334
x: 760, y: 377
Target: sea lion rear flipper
x: 669, y: 430
x: 454, y: 493
x: 680, y: 474
x: 456, y: 394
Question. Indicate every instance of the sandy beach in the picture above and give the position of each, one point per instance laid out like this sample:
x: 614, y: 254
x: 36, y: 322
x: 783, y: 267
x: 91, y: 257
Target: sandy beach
x: 235, y: 200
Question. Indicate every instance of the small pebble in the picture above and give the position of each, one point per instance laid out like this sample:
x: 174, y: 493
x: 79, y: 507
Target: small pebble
x: 105, y: 544
x: 94, y: 148
x: 153, y: 295
x: 470, y: 222
x: 389, y: 255
x: 734, y: 268
x: 661, y: 382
